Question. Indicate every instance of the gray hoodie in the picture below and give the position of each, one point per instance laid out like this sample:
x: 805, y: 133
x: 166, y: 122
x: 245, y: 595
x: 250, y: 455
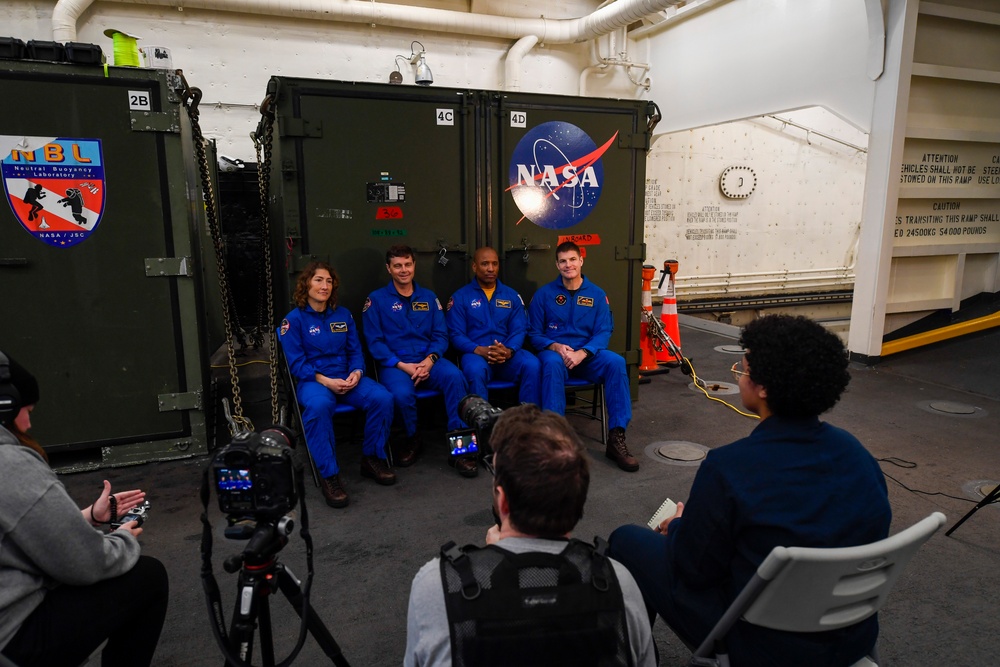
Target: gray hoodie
x: 44, y: 539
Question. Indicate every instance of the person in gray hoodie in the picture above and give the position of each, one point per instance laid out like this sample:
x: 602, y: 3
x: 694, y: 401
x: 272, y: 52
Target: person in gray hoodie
x: 66, y: 586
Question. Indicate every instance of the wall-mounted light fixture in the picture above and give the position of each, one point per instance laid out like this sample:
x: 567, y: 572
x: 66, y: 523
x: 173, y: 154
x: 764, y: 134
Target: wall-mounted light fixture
x: 422, y: 75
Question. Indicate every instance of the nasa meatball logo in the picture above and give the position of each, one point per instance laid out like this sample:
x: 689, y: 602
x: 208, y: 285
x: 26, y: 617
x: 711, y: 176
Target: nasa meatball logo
x: 556, y: 174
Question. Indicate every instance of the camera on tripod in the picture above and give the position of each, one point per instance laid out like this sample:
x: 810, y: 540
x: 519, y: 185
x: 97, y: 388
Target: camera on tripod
x: 481, y: 417
x: 254, y: 474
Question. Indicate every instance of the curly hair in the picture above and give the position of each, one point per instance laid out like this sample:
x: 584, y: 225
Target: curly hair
x: 542, y: 467
x: 301, y: 296
x: 802, y: 366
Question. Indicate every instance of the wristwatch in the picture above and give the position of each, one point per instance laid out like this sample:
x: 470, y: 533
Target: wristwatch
x: 434, y: 357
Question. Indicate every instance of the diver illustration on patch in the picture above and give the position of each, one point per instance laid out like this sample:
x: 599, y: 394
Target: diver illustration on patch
x: 66, y: 171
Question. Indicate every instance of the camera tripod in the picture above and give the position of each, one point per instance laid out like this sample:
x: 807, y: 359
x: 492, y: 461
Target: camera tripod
x: 261, y: 575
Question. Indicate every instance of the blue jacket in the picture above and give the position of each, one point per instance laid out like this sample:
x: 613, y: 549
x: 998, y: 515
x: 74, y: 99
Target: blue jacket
x: 581, y: 320
x: 791, y: 482
x: 473, y: 320
x: 407, y: 330
x: 324, y: 343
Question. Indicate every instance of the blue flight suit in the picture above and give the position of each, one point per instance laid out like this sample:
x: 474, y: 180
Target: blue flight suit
x: 408, y: 330
x: 327, y: 343
x: 474, y: 320
x: 582, y: 320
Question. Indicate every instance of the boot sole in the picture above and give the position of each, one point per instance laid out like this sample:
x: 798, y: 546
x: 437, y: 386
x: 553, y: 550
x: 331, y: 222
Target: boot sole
x: 378, y: 480
x: 338, y: 504
x: 621, y: 464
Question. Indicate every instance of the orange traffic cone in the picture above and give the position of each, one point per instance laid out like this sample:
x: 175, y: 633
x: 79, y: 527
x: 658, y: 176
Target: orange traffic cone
x: 668, y: 312
x: 647, y: 360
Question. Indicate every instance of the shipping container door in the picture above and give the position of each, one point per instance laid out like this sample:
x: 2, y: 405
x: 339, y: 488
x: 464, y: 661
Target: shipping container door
x: 368, y: 166
x: 88, y: 202
x: 571, y: 169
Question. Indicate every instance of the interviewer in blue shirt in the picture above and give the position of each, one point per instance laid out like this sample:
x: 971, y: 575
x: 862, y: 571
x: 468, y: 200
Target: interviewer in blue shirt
x: 795, y: 481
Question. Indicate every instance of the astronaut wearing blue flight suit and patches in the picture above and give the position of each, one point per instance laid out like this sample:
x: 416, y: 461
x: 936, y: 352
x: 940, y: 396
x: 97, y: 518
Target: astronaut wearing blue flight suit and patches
x: 406, y: 333
x: 570, y: 326
x: 487, y: 323
x: 321, y: 343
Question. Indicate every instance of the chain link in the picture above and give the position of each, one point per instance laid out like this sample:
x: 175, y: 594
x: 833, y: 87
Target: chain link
x: 265, y: 302
x: 191, y: 97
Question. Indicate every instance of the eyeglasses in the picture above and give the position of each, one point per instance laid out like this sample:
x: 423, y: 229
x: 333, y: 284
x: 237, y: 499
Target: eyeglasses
x: 737, y: 372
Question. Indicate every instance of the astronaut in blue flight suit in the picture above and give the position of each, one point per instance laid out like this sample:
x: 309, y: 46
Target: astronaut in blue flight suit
x: 406, y: 333
x: 321, y: 343
x: 487, y: 323
x: 570, y: 326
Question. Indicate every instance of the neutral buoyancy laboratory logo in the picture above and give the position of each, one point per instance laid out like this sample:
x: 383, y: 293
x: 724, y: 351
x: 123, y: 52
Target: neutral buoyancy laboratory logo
x: 54, y: 185
x: 556, y: 174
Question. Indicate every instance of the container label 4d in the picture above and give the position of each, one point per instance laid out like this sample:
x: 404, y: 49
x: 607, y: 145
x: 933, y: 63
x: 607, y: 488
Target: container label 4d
x: 556, y: 174
x: 55, y: 186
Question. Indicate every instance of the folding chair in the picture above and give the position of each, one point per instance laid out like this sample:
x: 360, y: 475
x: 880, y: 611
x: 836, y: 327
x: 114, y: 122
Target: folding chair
x: 596, y: 402
x: 498, y: 386
x: 799, y: 589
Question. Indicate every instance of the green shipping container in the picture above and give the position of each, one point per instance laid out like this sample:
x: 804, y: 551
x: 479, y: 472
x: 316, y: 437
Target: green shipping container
x: 100, y: 261
x: 359, y: 167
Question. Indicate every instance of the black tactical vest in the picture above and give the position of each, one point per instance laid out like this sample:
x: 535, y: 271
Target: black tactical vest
x: 534, y: 608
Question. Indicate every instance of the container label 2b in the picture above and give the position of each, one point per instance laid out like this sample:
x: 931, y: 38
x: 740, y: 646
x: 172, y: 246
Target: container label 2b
x: 54, y: 186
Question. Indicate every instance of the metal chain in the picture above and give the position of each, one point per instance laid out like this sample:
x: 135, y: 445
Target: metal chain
x: 265, y: 306
x: 191, y: 97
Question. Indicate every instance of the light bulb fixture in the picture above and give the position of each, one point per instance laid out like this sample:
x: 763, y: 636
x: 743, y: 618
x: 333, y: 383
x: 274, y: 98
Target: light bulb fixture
x: 423, y: 76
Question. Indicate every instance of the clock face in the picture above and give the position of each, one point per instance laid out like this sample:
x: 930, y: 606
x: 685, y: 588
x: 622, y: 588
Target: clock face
x: 738, y: 182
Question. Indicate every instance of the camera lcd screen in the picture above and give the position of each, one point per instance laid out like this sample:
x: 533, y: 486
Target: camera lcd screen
x: 463, y: 444
x: 233, y: 479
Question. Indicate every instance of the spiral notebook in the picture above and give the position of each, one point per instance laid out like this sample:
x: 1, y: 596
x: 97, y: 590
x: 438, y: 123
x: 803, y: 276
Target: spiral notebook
x: 665, y: 511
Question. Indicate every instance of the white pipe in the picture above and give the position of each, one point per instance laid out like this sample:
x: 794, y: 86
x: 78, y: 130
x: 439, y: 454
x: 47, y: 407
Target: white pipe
x: 64, y: 17
x: 512, y: 63
x: 554, y: 31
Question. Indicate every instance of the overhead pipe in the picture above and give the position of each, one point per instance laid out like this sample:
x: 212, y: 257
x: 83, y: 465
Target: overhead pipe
x: 512, y: 63
x: 616, y: 15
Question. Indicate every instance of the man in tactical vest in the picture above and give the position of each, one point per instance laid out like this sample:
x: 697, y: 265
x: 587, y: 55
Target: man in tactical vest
x: 532, y: 596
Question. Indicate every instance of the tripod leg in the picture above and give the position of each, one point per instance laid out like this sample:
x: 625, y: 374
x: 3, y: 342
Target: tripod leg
x: 992, y: 497
x: 292, y: 590
x: 266, y: 641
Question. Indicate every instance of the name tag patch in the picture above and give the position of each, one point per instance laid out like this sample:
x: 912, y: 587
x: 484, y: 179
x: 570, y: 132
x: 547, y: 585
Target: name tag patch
x: 338, y: 327
x: 585, y: 301
x: 421, y: 306
x: 503, y: 303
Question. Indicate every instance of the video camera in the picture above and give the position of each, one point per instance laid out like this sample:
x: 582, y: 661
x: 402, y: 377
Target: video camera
x: 254, y: 474
x: 481, y: 417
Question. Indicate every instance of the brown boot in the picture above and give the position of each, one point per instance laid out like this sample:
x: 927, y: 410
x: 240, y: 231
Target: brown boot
x: 406, y: 451
x: 334, y: 492
x: 378, y: 469
x: 465, y: 465
x: 618, y: 452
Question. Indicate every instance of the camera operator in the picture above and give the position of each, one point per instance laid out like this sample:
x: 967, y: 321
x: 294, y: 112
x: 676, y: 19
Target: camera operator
x: 593, y: 616
x: 64, y: 586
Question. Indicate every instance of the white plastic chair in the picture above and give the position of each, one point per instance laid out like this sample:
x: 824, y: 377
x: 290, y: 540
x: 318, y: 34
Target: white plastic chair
x: 799, y: 589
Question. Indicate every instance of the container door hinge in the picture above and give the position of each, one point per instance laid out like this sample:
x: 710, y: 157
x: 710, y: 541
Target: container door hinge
x: 300, y: 127
x: 155, y: 121
x: 167, y: 267
x: 638, y: 141
x: 637, y: 251
x: 184, y: 401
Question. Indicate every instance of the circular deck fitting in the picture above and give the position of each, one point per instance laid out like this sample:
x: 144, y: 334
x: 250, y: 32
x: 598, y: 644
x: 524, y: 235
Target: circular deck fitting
x: 978, y: 489
x: 716, y: 388
x: 676, y: 452
x: 729, y: 349
x: 952, y: 409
